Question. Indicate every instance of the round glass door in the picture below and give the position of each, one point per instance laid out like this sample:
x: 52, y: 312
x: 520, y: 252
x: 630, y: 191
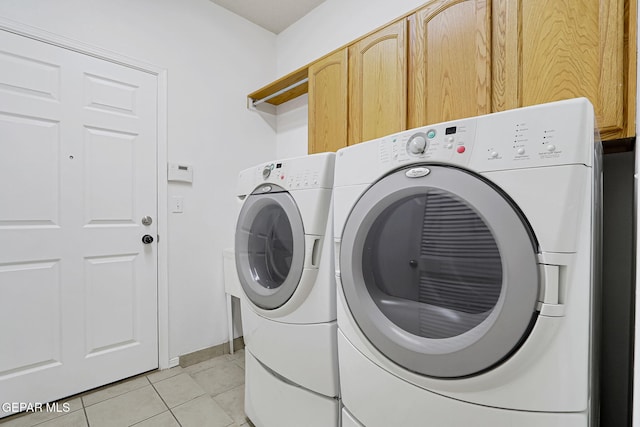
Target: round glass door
x: 440, y: 272
x: 269, y: 247
x: 432, y: 266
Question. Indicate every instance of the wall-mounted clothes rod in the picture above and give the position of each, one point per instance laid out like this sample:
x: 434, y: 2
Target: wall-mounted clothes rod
x: 255, y: 103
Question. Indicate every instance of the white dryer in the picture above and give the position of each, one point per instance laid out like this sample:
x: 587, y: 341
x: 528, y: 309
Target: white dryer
x: 467, y: 275
x: 285, y: 266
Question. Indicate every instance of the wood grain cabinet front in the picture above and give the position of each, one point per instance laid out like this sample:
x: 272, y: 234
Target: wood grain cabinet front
x: 548, y: 50
x: 452, y: 59
x: 449, y: 62
x: 328, y: 86
x: 378, y: 84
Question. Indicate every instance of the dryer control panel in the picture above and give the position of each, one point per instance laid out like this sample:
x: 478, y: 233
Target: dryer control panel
x: 521, y: 138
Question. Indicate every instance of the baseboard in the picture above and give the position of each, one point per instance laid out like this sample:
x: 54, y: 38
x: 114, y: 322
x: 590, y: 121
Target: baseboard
x: 210, y: 352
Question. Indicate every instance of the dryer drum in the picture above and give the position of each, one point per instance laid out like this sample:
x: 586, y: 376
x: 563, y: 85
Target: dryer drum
x: 271, y: 240
x: 453, y: 267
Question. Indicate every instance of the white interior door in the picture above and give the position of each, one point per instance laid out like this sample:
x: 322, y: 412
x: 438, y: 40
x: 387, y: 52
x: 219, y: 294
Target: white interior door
x: 78, y: 287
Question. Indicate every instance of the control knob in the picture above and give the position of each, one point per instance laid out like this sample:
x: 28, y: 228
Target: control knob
x: 417, y: 144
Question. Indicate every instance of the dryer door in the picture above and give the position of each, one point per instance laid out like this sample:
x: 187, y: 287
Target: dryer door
x: 269, y: 246
x: 439, y: 270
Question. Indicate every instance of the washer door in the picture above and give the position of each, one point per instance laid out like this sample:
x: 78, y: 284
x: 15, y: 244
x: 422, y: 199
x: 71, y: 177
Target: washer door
x: 269, y: 247
x: 439, y: 270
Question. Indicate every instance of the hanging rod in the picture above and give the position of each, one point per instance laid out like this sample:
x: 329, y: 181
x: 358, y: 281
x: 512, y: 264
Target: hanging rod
x: 280, y: 92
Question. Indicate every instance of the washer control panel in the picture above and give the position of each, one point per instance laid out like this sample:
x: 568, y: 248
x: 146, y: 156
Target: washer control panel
x: 306, y: 172
x: 283, y: 174
x: 450, y: 142
x: 543, y: 135
x: 526, y: 137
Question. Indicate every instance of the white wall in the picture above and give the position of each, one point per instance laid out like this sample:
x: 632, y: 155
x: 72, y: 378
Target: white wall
x: 292, y: 125
x: 213, y: 58
x: 329, y: 26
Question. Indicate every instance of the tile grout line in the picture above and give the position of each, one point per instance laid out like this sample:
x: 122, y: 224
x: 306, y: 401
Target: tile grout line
x: 165, y: 403
x: 149, y: 383
x: 84, y: 409
x: 87, y: 393
x: 213, y: 396
x: 226, y: 411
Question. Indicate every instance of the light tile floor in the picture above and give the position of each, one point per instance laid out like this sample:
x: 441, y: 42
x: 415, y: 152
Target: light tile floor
x: 208, y: 394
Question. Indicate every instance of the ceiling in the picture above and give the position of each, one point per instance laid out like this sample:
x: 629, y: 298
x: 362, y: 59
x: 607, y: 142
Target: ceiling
x: 273, y: 15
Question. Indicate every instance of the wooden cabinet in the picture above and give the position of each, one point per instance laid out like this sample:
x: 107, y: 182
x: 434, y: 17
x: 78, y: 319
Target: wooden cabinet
x: 449, y: 62
x: 547, y: 50
x: 460, y: 58
x: 466, y: 59
x: 378, y: 84
x: 328, y: 80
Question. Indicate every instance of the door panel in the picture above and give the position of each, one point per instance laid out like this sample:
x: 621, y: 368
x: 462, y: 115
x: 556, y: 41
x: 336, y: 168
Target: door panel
x: 37, y: 142
x: 111, y: 314
x: 39, y: 284
x: 29, y: 76
x: 110, y: 96
x: 79, y: 174
x: 103, y: 149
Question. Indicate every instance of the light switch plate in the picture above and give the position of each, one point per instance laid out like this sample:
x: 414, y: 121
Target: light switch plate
x: 177, y: 204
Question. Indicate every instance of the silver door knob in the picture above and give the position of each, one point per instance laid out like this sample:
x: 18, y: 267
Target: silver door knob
x: 147, y: 239
x: 147, y: 220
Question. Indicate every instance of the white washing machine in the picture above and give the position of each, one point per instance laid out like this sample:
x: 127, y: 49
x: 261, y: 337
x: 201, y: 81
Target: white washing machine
x: 284, y: 260
x: 466, y: 260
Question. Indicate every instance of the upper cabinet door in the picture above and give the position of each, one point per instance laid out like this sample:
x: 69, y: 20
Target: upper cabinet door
x: 547, y: 50
x: 449, y: 62
x: 378, y: 84
x: 461, y: 58
x: 328, y: 103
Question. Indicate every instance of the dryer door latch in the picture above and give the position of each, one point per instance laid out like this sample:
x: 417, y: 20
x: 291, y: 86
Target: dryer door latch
x: 551, y: 303
x: 551, y: 300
